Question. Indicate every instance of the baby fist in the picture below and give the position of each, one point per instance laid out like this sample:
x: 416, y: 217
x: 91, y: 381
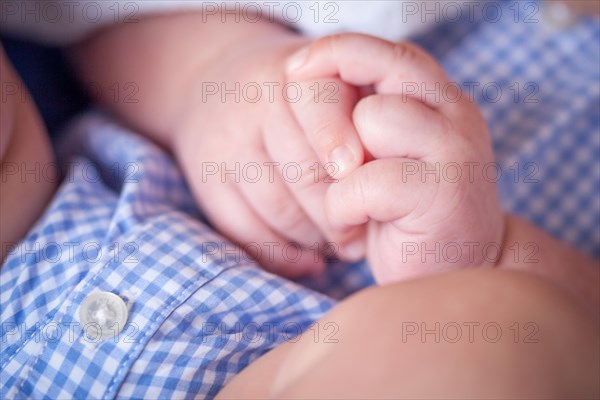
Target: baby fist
x: 427, y: 203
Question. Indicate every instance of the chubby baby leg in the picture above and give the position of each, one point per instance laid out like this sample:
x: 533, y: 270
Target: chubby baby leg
x: 466, y: 334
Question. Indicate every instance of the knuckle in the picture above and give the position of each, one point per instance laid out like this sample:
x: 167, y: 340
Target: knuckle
x: 326, y: 134
x: 452, y: 140
x: 332, y: 41
x: 375, y: 107
x: 327, y: 44
x: 369, y: 117
x: 447, y: 130
x: 312, y: 173
x: 288, y: 215
x: 321, y: 93
x: 332, y: 91
x: 403, y: 51
x: 361, y: 113
x: 358, y: 188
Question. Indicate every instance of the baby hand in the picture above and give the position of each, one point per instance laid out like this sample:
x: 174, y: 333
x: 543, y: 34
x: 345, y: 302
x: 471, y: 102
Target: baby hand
x: 427, y: 203
x: 249, y: 163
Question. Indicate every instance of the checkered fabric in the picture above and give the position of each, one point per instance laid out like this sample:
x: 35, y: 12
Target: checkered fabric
x: 124, y: 222
x: 199, y: 311
x: 539, y: 89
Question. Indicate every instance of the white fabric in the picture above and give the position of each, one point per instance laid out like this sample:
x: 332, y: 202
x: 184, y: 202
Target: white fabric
x: 66, y: 22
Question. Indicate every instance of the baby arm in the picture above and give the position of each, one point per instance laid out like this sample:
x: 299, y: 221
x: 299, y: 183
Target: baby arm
x: 404, y: 131
x: 176, y: 61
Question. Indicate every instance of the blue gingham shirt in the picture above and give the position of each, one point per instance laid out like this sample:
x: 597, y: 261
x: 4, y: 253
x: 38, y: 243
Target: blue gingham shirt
x: 124, y: 222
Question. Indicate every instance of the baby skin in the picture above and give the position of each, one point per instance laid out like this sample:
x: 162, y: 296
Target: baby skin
x: 376, y: 355
x: 373, y: 132
x: 370, y: 128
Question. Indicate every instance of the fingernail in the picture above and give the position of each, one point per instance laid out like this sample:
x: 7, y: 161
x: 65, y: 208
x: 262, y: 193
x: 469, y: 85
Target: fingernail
x: 342, y: 157
x: 297, y: 60
x: 356, y: 249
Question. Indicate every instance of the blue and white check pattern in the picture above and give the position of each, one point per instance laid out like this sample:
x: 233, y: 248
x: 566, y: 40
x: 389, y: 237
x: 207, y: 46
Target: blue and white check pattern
x: 546, y: 135
x: 194, y: 311
x: 136, y: 233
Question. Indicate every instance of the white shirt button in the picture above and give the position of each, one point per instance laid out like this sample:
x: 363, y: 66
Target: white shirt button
x: 103, y: 315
